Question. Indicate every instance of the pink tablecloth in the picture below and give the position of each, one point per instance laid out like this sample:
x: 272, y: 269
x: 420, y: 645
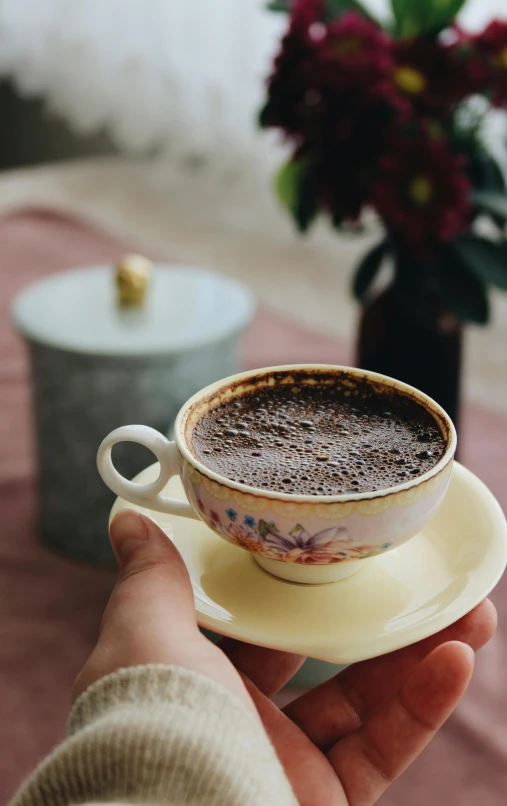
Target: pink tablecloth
x: 50, y: 606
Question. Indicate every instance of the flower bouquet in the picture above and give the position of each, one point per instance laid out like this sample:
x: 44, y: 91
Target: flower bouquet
x: 391, y: 118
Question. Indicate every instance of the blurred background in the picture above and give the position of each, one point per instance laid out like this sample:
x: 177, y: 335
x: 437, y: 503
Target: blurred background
x: 132, y: 126
x: 171, y: 113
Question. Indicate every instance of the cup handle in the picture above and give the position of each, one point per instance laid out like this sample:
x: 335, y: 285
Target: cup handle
x: 144, y: 495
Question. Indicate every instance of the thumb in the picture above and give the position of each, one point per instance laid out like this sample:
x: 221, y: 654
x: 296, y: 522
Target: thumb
x: 151, y: 570
x: 150, y: 617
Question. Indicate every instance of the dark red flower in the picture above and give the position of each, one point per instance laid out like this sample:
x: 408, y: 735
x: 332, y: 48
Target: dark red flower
x: 344, y: 162
x: 422, y: 192
x: 290, y: 98
x: 321, y: 69
x: 358, y: 103
x: 429, y: 74
x: 355, y: 53
x: 333, y: 96
x: 490, y: 62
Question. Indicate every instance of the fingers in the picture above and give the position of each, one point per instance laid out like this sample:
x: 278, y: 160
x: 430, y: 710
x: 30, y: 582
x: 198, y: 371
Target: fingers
x: 151, y: 610
x: 150, y: 617
x: 153, y: 581
x: 311, y: 775
x: 268, y: 669
x: 340, y: 705
x: 368, y: 760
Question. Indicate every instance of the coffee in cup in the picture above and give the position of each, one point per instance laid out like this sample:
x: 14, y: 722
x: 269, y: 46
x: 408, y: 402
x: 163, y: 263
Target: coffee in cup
x: 313, y: 469
x: 320, y: 434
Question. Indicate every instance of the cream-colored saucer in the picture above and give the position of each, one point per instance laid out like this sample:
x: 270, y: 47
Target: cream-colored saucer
x: 397, y: 598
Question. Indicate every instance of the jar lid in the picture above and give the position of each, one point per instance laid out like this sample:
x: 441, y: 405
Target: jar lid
x: 185, y: 308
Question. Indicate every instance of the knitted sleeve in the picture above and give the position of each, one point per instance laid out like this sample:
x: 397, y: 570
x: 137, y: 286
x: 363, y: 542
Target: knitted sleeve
x: 159, y: 735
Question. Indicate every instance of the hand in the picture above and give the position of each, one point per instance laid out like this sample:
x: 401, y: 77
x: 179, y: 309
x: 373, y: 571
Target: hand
x: 342, y: 743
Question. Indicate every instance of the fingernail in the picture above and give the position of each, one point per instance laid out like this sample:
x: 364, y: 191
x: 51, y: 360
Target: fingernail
x: 128, y: 530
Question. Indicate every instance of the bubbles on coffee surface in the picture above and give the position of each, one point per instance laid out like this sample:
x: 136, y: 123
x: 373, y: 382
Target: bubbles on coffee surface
x: 323, y: 439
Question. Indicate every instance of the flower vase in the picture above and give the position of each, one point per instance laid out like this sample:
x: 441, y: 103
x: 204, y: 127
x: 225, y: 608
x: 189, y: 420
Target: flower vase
x: 428, y: 356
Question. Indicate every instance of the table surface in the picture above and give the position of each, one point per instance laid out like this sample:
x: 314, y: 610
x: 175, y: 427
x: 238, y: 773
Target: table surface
x: 234, y: 225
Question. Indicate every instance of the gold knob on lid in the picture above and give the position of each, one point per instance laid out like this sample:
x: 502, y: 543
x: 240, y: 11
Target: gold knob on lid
x: 132, y: 278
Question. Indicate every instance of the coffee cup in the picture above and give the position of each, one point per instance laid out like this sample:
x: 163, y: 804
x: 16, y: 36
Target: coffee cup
x: 300, y: 538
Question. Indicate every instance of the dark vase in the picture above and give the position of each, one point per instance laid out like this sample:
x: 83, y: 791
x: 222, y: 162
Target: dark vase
x: 393, y: 342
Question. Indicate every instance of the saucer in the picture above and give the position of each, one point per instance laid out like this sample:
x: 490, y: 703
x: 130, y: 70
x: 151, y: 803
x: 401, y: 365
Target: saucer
x: 398, y: 598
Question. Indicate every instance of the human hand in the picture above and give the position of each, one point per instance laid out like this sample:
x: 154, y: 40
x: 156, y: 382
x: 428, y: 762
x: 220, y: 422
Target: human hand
x: 342, y: 743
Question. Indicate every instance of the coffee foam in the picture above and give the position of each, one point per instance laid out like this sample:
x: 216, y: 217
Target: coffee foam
x: 317, y: 434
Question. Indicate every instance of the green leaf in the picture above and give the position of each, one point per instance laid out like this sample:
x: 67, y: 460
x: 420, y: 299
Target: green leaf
x: 287, y: 182
x: 486, y: 178
x: 332, y: 8
x: 461, y: 290
x: 415, y: 17
x: 264, y: 529
x: 493, y: 177
x: 368, y: 269
x: 485, y: 259
x: 336, y: 7
x: 491, y: 202
x: 263, y: 116
x: 307, y: 207
x: 444, y: 11
x: 488, y: 181
x: 445, y: 275
x: 402, y: 17
x: 295, y: 191
x: 278, y: 5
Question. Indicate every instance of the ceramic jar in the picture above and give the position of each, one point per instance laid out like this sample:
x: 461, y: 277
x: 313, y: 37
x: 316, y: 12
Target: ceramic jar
x: 95, y: 365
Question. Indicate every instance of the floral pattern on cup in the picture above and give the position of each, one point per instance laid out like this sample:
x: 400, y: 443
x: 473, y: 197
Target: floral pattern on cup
x: 305, y: 530
x: 313, y: 533
x: 329, y: 545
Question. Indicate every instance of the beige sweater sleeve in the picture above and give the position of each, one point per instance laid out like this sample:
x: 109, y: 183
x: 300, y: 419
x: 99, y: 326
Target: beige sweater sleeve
x: 160, y: 735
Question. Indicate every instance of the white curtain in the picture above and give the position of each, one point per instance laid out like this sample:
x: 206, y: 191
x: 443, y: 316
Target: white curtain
x: 184, y: 75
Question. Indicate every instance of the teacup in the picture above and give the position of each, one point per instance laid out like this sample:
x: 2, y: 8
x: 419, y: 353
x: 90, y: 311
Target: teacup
x: 300, y: 538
